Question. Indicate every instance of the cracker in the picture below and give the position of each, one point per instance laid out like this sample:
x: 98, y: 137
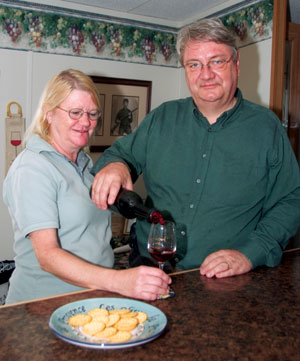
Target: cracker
x: 141, y: 317
x: 120, y: 312
x: 79, y: 319
x: 120, y: 336
x: 115, y: 326
x: 92, y: 327
x: 98, y: 311
x: 126, y: 324
x: 106, y: 333
x: 112, y: 319
x: 129, y: 314
x: 102, y: 318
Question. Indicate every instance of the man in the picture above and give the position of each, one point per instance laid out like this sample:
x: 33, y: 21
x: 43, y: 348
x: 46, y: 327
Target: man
x: 220, y: 166
x: 123, y: 119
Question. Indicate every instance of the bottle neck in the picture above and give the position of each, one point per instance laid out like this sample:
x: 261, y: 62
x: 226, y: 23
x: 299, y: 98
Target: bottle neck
x: 156, y: 217
x: 130, y: 205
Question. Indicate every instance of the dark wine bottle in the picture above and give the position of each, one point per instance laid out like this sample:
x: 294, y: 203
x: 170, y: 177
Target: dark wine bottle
x: 130, y: 205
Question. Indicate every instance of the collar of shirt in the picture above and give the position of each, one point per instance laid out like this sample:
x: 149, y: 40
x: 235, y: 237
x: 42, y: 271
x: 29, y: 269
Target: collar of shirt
x: 39, y: 145
x: 224, y: 119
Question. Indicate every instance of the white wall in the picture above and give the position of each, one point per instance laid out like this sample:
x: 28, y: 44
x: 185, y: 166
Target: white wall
x: 255, y: 77
x: 13, y: 86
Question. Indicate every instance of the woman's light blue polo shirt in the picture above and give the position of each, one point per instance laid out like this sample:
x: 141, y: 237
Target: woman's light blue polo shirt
x: 44, y: 189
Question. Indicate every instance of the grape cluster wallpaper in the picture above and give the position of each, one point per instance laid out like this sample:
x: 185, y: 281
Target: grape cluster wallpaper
x: 51, y: 30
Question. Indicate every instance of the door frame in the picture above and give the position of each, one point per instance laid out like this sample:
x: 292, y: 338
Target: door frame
x: 279, y: 36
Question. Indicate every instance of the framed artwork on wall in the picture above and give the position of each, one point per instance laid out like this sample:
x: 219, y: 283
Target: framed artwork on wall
x: 99, y: 128
x: 124, y: 104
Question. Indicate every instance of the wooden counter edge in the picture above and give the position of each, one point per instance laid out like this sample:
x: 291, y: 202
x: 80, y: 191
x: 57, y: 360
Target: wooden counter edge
x: 45, y: 298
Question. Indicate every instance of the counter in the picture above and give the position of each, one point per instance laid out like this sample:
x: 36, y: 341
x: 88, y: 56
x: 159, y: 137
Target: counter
x: 255, y: 316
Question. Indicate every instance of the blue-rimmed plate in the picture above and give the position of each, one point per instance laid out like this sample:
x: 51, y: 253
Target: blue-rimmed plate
x: 152, y: 328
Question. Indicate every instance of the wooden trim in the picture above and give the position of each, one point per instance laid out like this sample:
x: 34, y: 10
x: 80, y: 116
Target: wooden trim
x: 278, y: 56
x: 291, y: 250
x: 46, y: 298
x: 183, y: 271
x: 293, y: 36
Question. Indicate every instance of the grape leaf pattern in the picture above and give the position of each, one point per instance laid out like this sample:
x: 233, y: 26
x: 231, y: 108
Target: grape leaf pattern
x: 78, y: 35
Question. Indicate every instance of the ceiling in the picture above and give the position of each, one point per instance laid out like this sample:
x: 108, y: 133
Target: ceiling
x: 178, y: 12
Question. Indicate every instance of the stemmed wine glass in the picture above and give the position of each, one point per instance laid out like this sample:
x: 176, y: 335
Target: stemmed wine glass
x: 162, y: 242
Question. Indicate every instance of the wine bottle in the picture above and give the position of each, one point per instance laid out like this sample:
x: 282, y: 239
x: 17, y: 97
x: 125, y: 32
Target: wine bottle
x: 130, y: 205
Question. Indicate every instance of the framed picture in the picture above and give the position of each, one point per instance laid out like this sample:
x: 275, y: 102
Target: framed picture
x: 99, y: 128
x: 124, y: 104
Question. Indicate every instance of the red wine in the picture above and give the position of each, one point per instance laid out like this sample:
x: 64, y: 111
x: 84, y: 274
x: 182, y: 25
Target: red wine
x: 130, y: 205
x: 162, y: 254
x: 15, y: 142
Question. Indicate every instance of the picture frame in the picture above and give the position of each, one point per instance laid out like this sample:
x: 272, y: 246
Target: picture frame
x: 124, y: 104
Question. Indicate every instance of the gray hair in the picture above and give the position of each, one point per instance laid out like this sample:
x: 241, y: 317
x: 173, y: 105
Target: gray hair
x: 204, y: 31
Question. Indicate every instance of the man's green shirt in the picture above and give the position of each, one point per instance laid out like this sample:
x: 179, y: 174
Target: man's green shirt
x: 234, y: 184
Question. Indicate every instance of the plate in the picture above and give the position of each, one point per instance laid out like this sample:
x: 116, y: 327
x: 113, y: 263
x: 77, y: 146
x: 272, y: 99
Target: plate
x: 153, y: 327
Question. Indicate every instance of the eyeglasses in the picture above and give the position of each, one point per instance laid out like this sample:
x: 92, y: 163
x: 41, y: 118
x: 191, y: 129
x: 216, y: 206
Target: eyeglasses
x: 78, y: 113
x: 214, y: 65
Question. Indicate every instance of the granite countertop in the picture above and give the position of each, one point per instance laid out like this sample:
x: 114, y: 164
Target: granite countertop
x: 255, y: 316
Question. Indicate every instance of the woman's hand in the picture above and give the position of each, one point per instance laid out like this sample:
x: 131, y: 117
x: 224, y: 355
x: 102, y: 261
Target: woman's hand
x: 142, y: 282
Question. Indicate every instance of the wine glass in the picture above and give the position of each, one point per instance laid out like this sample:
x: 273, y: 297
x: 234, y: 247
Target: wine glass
x: 15, y: 140
x: 162, y: 242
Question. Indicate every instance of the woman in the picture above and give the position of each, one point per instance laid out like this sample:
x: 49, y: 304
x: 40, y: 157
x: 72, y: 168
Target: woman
x: 62, y: 241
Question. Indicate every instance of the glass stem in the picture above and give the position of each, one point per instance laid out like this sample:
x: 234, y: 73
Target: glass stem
x: 161, y: 265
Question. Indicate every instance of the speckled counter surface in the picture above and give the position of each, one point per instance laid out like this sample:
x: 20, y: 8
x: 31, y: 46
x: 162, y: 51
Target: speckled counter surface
x: 250, y: 317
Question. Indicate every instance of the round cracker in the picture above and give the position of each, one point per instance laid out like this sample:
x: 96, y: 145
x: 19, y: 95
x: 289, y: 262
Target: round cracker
x: 141, y: 317
x: 106, y: 333
x: 102, y: 318
x: 79, y: 320
x: 97, y: 312
x: 129, y: 314
x: 92, y: 327
x: 120, y: 336
x: 120, y: 311
x: 112, y: 319
x: 126, y: 324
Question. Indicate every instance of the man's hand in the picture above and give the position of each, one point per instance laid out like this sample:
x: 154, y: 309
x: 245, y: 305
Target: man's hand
x: 107, y: 183
x: 225, y: 263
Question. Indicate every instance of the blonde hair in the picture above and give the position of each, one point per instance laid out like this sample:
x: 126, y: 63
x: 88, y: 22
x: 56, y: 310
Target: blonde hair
x: 56, y: 91
x: 204, y: 31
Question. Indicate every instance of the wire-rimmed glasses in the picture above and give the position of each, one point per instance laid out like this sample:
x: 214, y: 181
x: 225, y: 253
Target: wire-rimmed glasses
x: 217, y: 64
x: 77, y: 113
